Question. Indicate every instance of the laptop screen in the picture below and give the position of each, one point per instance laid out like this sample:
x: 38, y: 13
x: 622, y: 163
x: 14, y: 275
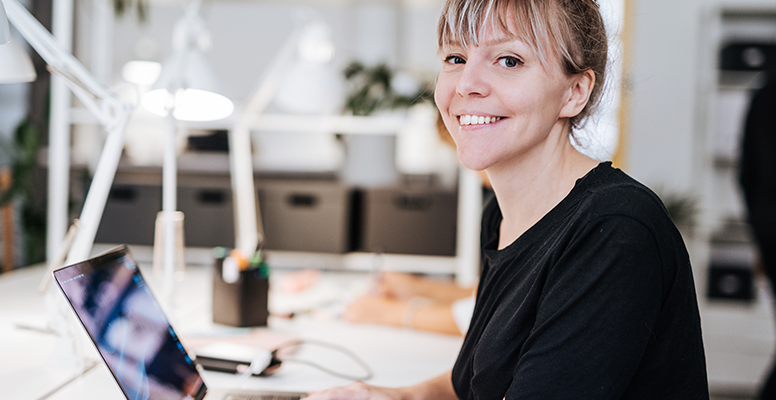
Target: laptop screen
x: 129, y: 328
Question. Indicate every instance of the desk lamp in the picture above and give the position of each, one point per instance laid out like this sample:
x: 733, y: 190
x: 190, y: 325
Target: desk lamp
x: 109, y: 110
x: 112, y: 113
x: 141, y: 72
x: 188, y: 86
x: 309, y: 43
x: 16, y: 65
x: 187, y: 90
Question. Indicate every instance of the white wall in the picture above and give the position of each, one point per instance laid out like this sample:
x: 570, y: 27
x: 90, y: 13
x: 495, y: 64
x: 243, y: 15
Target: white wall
x: 669, y: 69
x: 662, y: 84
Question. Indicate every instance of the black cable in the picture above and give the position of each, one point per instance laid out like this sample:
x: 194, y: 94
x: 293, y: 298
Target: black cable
x: 369, y: 374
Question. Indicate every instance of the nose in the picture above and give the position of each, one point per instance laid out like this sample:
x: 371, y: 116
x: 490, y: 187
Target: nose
x: 472, y: 82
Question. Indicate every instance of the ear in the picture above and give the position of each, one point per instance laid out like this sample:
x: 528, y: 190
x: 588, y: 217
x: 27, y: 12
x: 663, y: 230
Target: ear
x: 579, y: 93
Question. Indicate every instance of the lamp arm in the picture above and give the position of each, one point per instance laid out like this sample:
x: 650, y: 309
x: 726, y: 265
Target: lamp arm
x: 66, y: 66
x: 46, y: 45
x: 111, y: 112
x: 270, y: 80
x: 248, y: 224
x: 91, y: 213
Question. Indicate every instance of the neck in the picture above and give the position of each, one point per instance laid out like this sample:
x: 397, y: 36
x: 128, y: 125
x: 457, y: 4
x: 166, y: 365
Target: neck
x: 530, y: 186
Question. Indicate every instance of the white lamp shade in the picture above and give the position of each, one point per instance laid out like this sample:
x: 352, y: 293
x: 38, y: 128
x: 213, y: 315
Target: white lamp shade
x: 15, y: 64
x: 197, y: 97
x: 158, y: 102
x: 311, y: 88
x: 192, y: 72
x: 190, y: 104
x: 315, y: 43
x: 141, y: 72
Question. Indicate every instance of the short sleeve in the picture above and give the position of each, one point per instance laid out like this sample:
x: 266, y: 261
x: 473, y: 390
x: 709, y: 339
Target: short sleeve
x: 596, y: 315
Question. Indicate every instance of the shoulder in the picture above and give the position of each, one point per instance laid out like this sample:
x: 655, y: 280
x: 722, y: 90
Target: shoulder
x: 613, y: 193
x: 631, y: 219
x: 627, y: 209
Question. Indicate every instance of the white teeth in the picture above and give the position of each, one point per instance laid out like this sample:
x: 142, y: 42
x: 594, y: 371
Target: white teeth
x: 477, y: 120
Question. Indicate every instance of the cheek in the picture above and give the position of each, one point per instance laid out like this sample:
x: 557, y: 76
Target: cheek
x: 443, y: 93
x: 443, y: 97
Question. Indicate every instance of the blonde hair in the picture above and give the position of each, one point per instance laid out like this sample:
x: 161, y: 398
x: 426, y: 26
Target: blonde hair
x: 571, y: 31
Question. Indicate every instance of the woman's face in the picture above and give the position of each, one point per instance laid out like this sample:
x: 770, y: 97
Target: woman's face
x: 499, y: 102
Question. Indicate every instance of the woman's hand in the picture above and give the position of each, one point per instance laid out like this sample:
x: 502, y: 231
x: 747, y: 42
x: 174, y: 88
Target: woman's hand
x: 357, y: 391
x: 440, y: 388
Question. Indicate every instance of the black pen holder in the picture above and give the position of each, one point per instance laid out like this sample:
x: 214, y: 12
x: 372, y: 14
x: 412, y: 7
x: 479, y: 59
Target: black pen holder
x: 242, y: 303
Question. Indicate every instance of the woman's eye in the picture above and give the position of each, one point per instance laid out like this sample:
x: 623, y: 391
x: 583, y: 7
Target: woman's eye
x: 509, y: 62
x: 454, y: 60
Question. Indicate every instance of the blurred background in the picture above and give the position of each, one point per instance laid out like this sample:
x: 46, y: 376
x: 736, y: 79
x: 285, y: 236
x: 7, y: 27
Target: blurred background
x: 335, y: 191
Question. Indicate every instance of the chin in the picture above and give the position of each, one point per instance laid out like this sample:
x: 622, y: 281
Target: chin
x: 473, y: 162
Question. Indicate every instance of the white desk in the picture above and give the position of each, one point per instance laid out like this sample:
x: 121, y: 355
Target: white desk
x: 397, y: 356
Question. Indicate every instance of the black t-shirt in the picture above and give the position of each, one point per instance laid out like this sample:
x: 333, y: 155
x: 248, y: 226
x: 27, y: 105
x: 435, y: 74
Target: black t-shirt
x: 595, y: 301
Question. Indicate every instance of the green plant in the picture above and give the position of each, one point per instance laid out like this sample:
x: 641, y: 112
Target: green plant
x: 23, y: 151
x: 371, y: 89
x: 121, y: 6
x: 683, y: 209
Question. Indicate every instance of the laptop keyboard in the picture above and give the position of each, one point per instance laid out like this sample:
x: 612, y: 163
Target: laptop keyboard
x: 262, y: 397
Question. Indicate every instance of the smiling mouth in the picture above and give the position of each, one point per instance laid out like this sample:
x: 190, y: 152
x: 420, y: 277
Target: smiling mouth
x: 477, y: 120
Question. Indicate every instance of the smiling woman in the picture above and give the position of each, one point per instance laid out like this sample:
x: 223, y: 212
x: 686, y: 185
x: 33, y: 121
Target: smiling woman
x: 550, y: 30
x: 586, y: 289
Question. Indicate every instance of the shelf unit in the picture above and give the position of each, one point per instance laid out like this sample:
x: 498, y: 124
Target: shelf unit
x: 464, y: 265
x: 739, y: 334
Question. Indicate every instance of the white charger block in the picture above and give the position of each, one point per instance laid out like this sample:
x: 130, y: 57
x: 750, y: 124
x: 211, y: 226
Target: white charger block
x: 244, y: 357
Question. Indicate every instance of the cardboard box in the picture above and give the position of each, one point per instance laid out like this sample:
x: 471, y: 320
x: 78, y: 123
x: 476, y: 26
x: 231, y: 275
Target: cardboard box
x: 410, y: 221
x: 305, y: 215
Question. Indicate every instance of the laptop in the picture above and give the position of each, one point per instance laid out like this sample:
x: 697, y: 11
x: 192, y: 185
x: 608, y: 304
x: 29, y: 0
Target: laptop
x: 126, y: 324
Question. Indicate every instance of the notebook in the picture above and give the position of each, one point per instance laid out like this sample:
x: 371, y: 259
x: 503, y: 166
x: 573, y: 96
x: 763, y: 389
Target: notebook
x: 126, y: 324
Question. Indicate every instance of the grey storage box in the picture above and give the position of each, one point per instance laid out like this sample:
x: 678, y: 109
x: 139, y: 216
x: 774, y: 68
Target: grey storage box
x: 302, y: 215
x: 208, y: 215
x: 409, y: 221
x: 130, y: 214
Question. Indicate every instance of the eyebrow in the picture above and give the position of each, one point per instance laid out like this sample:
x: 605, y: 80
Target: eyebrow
x: 507, y: 37
x: 510, y: 37
x: 452, y: 43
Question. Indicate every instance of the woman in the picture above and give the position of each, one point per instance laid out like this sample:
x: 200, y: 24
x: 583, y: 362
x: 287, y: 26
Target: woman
x: 586, y: 290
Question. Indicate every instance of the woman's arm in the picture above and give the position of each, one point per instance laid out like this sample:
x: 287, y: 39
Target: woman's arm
x: 440, y: 388
x: 402, y: 286
x: 434, y: 317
